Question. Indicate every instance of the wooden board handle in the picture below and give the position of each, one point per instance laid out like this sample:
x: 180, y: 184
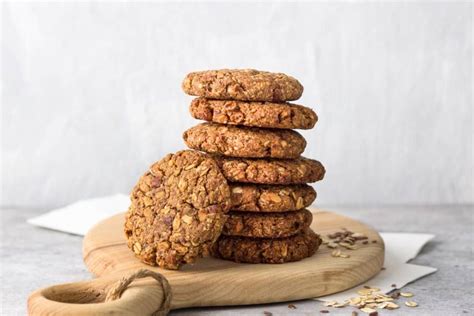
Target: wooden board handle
x: 115, y: 295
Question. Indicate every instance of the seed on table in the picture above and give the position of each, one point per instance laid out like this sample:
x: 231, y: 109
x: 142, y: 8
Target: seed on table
x: 411, y: 304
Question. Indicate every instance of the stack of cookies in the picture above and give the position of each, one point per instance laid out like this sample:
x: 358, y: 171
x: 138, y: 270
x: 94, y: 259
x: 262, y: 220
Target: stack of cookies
x: 249, y: 132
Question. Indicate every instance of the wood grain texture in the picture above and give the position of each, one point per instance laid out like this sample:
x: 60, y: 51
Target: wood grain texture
x: 214, y: 282
x: 81, y: 298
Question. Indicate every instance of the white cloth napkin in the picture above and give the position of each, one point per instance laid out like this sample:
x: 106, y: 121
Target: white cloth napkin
x: 79, y: 217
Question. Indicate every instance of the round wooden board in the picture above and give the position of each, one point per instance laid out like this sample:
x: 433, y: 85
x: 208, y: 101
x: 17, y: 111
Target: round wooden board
x: 214, y: 282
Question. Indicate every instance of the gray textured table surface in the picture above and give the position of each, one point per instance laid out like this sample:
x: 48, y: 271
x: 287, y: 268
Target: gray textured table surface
x: 32, y: 258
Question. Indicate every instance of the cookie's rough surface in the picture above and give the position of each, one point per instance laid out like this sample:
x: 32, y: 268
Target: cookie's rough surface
x: 257, y: 114
x: 271, y: 198
x: 178, y: 209
x: 267, y: 250
x: 267, y: 225
x: 244, y: 141
x: 271, y: 171
x: 242, y: 84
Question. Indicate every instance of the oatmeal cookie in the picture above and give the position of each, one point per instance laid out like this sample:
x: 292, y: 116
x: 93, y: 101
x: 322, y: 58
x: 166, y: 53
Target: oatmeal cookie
x: 257, y: 114
x: 244, y: 141
x: 267, y: 225
x: 178, y: 210
x: 271, y: 171
x: 271, y: 198
x: 267, y: 250
x: 242, y: 84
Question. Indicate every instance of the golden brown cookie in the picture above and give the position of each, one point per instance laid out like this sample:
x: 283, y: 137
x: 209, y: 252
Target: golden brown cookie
x: 267, y: 250
x: 178, y: 210
x: 270, y: 198
x: 271, y: 171
x: 244, y: 141
x: 256, y: 114
x: 267, y: 225
x: 242, y: 84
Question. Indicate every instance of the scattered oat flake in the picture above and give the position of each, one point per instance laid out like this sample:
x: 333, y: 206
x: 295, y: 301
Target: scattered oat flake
x: 339, y: 305
x: 411, y: 304
x: 370, y: 298
x: 364, y: 292
x: 291, y: 306
x: 368, y: 310
x: 348, y: 246
x: 391, y: 305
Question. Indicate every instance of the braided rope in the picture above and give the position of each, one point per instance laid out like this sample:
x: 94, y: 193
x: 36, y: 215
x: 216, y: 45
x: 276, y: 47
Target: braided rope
x: 117, y: 290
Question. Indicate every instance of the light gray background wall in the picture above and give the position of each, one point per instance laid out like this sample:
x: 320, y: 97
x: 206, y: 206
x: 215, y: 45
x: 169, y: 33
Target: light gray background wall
x: 91, y: 92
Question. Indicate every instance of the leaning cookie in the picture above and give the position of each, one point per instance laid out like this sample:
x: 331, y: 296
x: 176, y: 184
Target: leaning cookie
x: 267, y: 225
x: 271, y: 198
x: 267, y: 250
x: 244, y: 141
x: 271, y: 171
x: 242, y: 84
x: 256, y: 114
x: 178, y: 210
